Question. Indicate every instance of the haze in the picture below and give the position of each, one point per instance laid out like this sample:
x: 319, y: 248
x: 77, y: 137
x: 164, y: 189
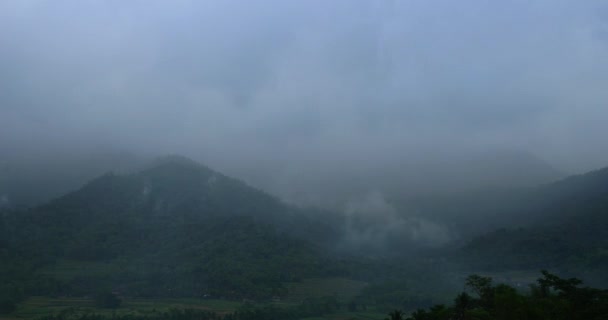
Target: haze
x: 282, y: 93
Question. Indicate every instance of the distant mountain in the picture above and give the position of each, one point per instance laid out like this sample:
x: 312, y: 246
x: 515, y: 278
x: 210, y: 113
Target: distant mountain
x: 435, y: 172
x: 437, y: 197
x: 567, y: 229
x: 180, y: 229
x: 177, y: 228
x: 30, y: 179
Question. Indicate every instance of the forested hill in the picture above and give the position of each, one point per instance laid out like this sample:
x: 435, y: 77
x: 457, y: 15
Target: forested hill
x: 176, y: 228
x: 568, y: 231
x: 173, y: 185
x: 180, y: 229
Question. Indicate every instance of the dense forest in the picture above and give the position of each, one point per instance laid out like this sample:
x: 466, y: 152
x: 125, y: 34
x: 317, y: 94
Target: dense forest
x: 178, y: 229
x: 551, y: 298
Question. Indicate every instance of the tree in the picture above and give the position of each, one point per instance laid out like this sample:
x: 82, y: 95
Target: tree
x: 396, y: 315
x: 482, y: 286
x: 461, y: 304
x: 564, y: 287
x: 554, y: 299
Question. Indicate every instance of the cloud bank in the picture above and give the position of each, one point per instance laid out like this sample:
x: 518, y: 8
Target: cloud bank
x: 266, y: 87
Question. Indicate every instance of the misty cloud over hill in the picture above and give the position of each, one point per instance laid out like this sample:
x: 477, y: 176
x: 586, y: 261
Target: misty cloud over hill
x: 303, y: 159
x: 263, y: 87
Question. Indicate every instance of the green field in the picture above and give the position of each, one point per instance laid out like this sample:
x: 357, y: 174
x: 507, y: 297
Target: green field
x: 38, y: 306
x: 342, y: 289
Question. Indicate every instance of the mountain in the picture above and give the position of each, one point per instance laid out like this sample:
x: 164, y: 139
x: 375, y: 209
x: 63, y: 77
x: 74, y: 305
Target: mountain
x: 567, y: 229
x: 180, y: 229
x: 335, y: 183
x: 30, y: 178
x: 176, y: 228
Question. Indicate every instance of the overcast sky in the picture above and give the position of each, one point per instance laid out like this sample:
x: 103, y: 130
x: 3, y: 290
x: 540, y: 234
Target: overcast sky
x: 269, y: 84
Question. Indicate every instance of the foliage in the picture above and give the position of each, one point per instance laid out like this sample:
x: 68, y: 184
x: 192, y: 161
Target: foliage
x: 309, y: 308
x: 177, y: 229
x: 553, y: 299
x: 560, y: 225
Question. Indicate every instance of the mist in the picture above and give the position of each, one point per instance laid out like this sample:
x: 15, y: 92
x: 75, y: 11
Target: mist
x: 314, y: 159
x: 297, y: 97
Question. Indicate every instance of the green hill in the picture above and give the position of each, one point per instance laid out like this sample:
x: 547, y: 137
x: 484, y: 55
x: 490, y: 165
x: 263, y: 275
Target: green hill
x: 174, y: 229
x: 568, y: 231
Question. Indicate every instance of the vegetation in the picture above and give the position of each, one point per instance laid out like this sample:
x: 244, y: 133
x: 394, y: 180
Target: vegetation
x: 178, y: 229
x: 569, y: 232
x: 181, y: 231
x: 187, y: 309
x: 552, y: 298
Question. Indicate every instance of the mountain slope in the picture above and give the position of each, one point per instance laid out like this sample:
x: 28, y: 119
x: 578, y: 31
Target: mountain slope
x: 568, y: 230
x: 334, y: 184
x: 176, y: 228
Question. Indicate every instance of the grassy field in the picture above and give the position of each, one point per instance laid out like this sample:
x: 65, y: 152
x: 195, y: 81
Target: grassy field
x: 36, y: 307
x: 342, y: 289
x: 39, y: 306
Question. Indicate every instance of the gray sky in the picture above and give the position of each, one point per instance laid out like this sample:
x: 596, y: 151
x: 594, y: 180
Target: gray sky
x: 280, y: 85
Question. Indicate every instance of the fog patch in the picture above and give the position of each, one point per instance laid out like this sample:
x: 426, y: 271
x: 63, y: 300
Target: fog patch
x: 4, y: 201
x: 372, y: 223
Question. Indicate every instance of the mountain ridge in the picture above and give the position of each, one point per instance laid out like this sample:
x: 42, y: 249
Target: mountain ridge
x: 224, y: 237
x: 567, y: 230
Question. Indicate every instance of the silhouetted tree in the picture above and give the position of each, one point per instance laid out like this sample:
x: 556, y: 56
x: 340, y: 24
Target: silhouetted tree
x: 396, y: 315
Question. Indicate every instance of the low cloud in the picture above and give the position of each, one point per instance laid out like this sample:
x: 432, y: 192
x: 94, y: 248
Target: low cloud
x: 372, y: 224
x: 266, y: 90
